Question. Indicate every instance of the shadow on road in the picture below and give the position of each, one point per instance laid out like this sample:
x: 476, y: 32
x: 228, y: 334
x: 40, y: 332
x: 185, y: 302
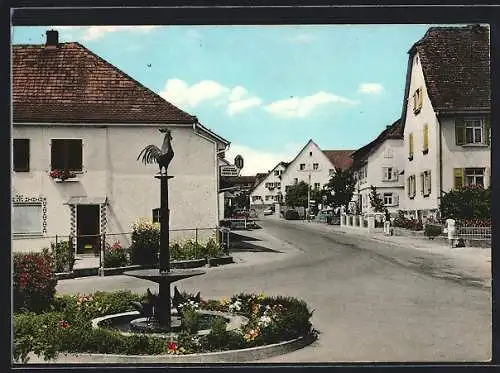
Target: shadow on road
x: 238, y: 242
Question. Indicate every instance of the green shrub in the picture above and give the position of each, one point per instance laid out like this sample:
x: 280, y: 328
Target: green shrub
x: 115, y: 256
x: 63, y: 256
x: 190, y: 320
x: 213, y: 249
x: 432, y: 230
x: 217, y: 338
x: 145, y: 243
x: 469, y: 202
x: 292, y: 215
x: 34, y: 284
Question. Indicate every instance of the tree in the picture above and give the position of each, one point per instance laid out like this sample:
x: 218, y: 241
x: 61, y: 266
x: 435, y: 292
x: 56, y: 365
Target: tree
x: 339, y: 189
x: 296, y: 196
x: 469, y: 202
x: 376, y: 201
x: 242, y: 200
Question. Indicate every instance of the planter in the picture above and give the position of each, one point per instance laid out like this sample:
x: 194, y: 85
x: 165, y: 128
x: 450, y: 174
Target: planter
x: 184, y: 264
x: 213, y: 262
x: 118, y: 270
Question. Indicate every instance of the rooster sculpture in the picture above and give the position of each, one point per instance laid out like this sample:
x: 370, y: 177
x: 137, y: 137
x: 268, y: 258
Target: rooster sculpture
x: 152, y: 154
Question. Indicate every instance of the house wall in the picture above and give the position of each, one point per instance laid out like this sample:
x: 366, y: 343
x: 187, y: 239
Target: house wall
x: 461, y: 156
x: 322, y: 175
x: 111, y: 170
x: 388, y: 154
x: 414, y: 123
x: 262, y: 191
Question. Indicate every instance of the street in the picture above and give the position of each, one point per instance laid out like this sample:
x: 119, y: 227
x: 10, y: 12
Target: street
x: 368, y: 307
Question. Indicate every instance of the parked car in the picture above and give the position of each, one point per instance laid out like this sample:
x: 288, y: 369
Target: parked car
x: 268, y: 211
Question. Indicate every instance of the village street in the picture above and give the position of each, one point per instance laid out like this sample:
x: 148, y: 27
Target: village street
x: 372, y: 301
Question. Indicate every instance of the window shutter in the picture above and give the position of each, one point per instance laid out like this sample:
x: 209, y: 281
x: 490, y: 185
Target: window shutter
x: 429, y: 182
x: 395, y: 174
x: 395, y: 200
x: 426, y: 137
x: 487, y: 131
x: 459, y: 131
x: 420, y: 98
x: 409, y: 186
x: 384, y: 173
x: 458, y: 178
x: 410, y: 145
x: 422, y: 182
x: 487, y: 178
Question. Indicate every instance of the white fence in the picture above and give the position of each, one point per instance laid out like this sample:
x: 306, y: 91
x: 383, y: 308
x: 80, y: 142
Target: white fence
x: 474, y: 233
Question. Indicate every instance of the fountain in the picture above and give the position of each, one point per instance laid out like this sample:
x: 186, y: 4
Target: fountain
x: 158, y: 316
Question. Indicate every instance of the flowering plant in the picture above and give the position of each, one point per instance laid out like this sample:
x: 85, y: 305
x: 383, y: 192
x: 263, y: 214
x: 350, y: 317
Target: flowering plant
x: 145, y: 242
x: 115, y: 255
x: 62, y: 174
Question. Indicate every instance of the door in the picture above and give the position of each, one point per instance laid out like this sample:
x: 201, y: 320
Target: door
x: 87, y: 229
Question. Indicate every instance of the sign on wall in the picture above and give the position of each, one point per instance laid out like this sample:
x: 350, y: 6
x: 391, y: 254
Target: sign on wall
x: 229, y: 170
x: 238, y: 161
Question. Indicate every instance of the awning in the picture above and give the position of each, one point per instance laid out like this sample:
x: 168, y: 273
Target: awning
x: 86, y: 201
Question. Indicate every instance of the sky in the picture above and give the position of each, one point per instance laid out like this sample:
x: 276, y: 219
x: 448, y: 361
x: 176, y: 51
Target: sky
x: 266, y: 89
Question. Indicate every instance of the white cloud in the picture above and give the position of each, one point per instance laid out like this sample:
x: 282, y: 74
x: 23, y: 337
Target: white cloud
x: 371, y: 88
x: 303, y: 38
x: 237, y: 99
x: 88, y: 33
x: 302, y: 106
x: 261, y: 161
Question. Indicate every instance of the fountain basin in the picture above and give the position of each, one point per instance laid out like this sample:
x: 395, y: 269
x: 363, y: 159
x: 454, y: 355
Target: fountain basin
x: 169, y: 277
x: 129, y: 323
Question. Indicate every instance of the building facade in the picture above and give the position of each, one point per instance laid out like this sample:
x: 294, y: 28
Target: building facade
x: 446, y: 116
x: 267, y: 190
x: 380, y: 164
x: 77, y: 132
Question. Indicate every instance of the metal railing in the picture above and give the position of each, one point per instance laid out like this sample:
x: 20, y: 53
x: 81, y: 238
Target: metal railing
x: 474, y: 233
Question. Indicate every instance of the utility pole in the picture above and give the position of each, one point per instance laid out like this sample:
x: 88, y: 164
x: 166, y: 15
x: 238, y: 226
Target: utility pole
x: 309, y: 189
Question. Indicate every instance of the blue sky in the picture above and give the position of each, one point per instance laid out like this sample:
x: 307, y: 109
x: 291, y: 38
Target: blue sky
x: 267, y: 89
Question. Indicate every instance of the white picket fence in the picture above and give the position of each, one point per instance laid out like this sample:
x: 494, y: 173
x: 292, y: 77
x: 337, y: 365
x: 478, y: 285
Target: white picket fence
x: 474, y: 233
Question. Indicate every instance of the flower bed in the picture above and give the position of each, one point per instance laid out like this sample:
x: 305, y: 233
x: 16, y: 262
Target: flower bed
x: 67, y: 327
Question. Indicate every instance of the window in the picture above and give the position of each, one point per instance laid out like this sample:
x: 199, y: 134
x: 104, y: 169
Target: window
x: 363, y: 174
x: 267, y: 198
x: 317, y: 186
x: 315, y: 166
x: 427, y: 184
x: 295, y: 180
x: 256, y: 198
x: 410, y: 146
x: 276, y: 173
x: 425, y: 148
x: 417, y: 100
x: 302, y: 166
x: 474, y: 176
x: 21, y: 151
x: 472, y: 131
x: 389, y: 174
x: 310, y: 154
x: 277, y: 185
x: 389, y: 153
x: 388, y: 201
x: 331, y: 172
x: 411, y: 187
x: 156, y: 215
x: 66, y: 154
x: 27, y: 218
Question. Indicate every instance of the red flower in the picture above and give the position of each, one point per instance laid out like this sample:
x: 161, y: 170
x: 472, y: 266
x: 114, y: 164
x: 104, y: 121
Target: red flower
x: 64, y: 324
x: 172, y: 346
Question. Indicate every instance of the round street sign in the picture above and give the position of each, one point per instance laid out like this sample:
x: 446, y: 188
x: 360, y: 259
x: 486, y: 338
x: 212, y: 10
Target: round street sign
x: 238, y: 161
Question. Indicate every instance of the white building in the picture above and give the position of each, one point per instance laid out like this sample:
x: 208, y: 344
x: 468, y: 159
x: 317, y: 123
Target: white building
x: 379, y: 164
x: 74, y: 111
x: 267, y: 189
x: 446, y: 115
x: 315, y: 166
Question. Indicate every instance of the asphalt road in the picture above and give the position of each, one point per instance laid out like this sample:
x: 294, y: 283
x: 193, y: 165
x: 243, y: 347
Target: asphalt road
x: 369, y: 305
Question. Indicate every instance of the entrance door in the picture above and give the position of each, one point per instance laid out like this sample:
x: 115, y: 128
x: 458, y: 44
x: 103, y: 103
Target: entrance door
x: 87, y: 229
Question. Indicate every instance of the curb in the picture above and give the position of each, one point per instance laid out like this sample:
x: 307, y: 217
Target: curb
x: 231, y: 356
x: 213, y: 262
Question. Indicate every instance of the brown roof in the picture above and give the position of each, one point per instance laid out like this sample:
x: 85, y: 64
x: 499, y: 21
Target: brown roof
x: 456, y: 65
x: 339, y: 158
x: 394, y: 131
x: 69, y: 83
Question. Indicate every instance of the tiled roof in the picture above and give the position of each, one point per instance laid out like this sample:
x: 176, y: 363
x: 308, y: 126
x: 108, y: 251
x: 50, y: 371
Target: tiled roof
x: 456, y: 66
x: 394, y: 131
x: 69, y: 83
x: 339, y: 158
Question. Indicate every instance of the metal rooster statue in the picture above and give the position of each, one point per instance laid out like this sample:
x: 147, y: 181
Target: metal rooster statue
x: 152, y: 154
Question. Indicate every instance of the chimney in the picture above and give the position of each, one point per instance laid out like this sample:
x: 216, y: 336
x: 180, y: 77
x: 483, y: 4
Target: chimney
x: 52, y: 39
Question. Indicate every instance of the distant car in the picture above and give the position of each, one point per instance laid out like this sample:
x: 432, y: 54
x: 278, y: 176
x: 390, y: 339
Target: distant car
x: 268, y: 211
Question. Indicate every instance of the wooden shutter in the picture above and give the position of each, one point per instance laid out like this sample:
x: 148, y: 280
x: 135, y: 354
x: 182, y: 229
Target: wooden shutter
x: 458, y: 178
x: 57, y: 156
x: 422, y: 182
x: 459, y: 131
x: 487, y: 131
x: 395, y: 200
x: 487, y: 177
x: 409, y: 186
x: 410, y: 145
x: 420, y: 98
x: 429, y: 182
x: 395, y: 174
x: 426, y: 137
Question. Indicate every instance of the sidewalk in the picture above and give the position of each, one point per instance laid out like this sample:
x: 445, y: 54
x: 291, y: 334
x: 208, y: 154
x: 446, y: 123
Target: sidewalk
x: 470, y: 264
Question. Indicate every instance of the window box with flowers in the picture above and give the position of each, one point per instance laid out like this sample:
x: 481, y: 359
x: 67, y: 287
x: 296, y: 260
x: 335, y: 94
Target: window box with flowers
x: 60, y: 176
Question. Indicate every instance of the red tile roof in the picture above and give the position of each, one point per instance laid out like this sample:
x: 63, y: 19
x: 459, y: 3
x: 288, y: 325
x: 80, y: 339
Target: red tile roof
x: 71, y: 84
x: 339, y: 158
x: 456, y: 65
